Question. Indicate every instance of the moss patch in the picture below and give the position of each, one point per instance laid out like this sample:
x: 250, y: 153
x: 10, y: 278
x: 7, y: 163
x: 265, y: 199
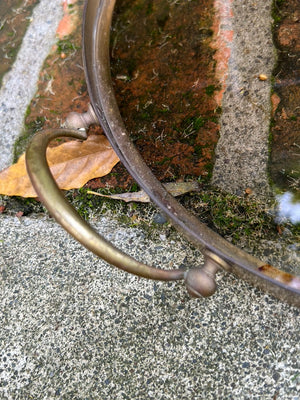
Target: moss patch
x: 23, y: 140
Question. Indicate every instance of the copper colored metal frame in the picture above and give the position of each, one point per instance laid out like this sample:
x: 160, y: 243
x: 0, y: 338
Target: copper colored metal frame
x: 217, y: 251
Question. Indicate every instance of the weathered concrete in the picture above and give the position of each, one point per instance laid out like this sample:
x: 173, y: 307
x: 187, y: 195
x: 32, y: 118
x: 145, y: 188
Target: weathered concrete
x: 74, y: 328
x: 19, y: 85
x: 243, y: 147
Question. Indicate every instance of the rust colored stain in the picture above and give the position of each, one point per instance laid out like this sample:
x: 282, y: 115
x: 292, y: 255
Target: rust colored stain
x: 280, y: 276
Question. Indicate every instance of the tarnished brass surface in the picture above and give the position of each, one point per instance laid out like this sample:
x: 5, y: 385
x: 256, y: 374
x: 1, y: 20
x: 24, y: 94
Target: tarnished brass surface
x: 199, y: 281
x: 67, y: 216
x: 76, y: 120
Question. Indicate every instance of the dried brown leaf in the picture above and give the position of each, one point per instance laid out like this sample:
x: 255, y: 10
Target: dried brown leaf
x: 174, y: 188
x: 72, y: 164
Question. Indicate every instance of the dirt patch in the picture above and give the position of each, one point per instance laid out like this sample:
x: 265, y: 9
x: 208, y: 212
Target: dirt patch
x: 163, y: 74
x: 163, y: 71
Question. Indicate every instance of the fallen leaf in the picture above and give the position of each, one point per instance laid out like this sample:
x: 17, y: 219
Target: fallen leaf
x: 174, y: 188
x: 72, y: 164
x: 275, y: 99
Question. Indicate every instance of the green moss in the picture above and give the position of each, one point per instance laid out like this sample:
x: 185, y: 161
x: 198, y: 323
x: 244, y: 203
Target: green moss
x: 134, y: 187
x: 209, y: 171
x: 276, y: 14
x: 132, y: 214
x: 11, y: 52
x: 165, y: 160
x: 66, y: 46
x: 232, y: 216
x: 239, y: 219
x: 145, y: 115
x: 149, y: 7
x: 17, y: 204
x: 198, y: 150
x: 27, y: 113
x: 29, y: 130
x: 209, y: 90
x: 189, y: 96
x: 198, y: 122
x: 190, y: 125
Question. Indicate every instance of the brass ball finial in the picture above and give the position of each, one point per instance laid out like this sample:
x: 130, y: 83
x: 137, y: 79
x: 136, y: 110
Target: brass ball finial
x: 200, y: 282
x: 77, y: 121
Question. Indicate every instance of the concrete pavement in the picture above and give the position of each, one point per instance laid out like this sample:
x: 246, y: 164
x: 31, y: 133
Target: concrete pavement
x: 74, y: 328
x: 20, y: 83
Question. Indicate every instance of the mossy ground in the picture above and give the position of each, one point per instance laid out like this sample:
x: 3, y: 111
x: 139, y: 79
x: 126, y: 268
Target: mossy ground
x: 238, y: 219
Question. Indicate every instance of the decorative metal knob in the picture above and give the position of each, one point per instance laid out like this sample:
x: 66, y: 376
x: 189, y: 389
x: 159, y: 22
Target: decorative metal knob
x: 77, y: 121
x: 200, y: 282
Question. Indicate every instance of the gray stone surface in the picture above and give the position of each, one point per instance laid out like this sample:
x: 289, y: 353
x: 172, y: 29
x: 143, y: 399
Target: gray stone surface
x: 19, y: 85
x: 71, y: 327
x: 74, y: 328
x: 243, y: 148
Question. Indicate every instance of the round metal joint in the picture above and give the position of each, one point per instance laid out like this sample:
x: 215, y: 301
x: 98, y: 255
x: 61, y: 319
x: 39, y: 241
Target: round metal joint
x: 200, y: 282
x: 76, y: 120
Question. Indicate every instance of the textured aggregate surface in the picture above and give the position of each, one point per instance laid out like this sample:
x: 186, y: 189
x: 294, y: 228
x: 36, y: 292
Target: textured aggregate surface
x: 242, y: 150
x: 19, y: 85
x: 73, y: 327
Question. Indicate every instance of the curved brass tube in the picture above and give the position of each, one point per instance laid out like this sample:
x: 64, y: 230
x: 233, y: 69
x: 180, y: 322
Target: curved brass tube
x: 199, y: 282
x: 67, y: 216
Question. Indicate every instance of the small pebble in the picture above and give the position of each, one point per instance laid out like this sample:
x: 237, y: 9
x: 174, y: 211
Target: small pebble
x: 262, y: 77
x: 159, y: 219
